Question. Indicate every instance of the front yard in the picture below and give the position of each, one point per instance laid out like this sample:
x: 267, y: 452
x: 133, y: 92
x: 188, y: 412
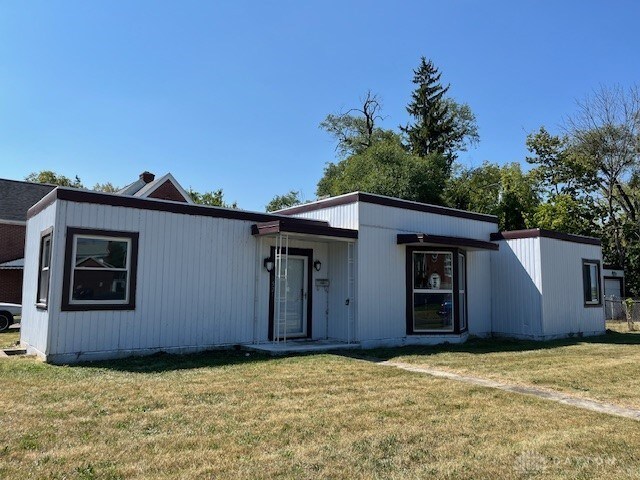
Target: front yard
x: 603, y: 368
x: 229, y: 415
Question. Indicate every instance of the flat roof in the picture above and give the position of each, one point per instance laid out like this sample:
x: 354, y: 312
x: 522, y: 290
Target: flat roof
x: 541, y: 232
x: 383, y: 200
x: 115, y: 200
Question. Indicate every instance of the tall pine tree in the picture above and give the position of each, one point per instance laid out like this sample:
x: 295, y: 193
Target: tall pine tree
x: 440, y: 125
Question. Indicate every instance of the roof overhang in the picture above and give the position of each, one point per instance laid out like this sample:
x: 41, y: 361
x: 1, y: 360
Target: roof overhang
x: 462, y: 242
x: 293, y: 226
x: 13, y: 265
x: 541, y: 232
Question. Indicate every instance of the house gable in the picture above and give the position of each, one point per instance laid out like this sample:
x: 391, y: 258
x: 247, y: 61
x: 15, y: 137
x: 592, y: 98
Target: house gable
x: 167, y: 191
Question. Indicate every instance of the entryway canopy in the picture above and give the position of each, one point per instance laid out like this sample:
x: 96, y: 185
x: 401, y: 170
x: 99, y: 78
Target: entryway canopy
x: 304, y: 228
x: 462, y: 242
x: 287, y: 264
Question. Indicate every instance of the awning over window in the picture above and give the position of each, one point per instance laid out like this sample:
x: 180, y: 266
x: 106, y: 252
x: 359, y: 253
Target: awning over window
x: 428, y: 239
x: 320, y: 229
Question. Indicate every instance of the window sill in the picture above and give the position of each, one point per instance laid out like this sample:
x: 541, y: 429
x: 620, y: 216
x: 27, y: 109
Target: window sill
x: 96, y: 306
x: 593, y: 305
x: 41, y: 306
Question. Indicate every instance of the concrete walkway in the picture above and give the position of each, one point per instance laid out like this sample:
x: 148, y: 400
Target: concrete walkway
x: 593, y: 405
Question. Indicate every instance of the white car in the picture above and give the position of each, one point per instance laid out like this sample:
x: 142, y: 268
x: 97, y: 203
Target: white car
x: 7, y: 313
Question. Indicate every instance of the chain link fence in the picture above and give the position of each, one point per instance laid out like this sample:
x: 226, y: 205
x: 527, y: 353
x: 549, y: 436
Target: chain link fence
x: 616, y: 308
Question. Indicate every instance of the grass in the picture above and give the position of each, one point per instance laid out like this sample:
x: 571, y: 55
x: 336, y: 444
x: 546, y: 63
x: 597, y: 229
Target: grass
x: 9, y: 338
x: 227, y: 415
x: 606, y: 368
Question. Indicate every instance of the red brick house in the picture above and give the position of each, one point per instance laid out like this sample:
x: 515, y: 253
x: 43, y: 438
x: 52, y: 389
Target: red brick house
x: 16, y: 197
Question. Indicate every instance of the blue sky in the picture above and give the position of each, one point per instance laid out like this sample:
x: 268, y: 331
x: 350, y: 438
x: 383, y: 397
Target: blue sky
x: 230, y: 94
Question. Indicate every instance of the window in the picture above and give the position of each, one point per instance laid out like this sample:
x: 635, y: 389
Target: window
x: 45, y: 261
x: 436, y: 291
x: 432, y: 292
x: 591, y: 282
x: 100, y: 270
x: 462, y: 288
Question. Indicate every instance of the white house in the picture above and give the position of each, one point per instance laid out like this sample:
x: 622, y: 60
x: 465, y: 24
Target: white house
x: 109, y: 276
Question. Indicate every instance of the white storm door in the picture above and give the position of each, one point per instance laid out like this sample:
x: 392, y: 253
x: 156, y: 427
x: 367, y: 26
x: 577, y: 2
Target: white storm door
x: 296, y: 305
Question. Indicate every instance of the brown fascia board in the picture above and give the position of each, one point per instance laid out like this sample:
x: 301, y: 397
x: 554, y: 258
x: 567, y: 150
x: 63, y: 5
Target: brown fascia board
x: 387, y: 202
x: 85, y: 196
x: 291, y: 225
x: 417, y: 238
x: 539, y: 232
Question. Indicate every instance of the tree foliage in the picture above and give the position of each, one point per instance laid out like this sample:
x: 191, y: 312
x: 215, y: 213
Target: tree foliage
x: 386, y: 168
x: 107, y: 187
x: 214, y: 198
x: 440, y: 125
x: 287, y: 200
x: 53, y: 178
x: 415, y: 163
x: 505, y: 191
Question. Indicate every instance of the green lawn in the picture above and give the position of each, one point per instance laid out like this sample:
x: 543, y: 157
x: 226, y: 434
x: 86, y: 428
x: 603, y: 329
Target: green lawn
x: 227, y: 415
x: 605, y: 368
x: 9, y: 338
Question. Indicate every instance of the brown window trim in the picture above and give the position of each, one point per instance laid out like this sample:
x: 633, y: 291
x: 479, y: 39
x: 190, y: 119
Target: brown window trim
x: 455, y: 293
x: 66, y: 283
x: 600, y: 286
x: 43, y: 235
x: 301, y: 252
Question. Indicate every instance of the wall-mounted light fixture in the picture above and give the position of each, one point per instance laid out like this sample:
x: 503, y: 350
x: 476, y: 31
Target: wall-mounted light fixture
x: 268, y: 264
x: 317, y: 265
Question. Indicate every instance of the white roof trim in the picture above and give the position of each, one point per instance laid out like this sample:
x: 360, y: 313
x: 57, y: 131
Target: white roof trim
x: 151, y: 187
x: 12, y: 222
x: 13, y: 265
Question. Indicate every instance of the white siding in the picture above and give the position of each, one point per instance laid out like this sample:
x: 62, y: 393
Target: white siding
x: 563, y: 307
x: 381, y: 273
x: 411, y: 221
x: 381, y: 269
x: 339, y: 216
x: 479, y: 292
x: 34, y: 324
x: 516, y: 274
x: 195, y: 286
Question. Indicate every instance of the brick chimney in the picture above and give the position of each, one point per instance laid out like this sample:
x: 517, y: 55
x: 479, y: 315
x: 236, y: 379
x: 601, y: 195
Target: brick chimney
x: 147, y: 177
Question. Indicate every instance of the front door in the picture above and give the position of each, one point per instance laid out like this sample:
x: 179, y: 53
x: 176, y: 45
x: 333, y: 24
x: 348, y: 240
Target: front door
x: 293, y: 309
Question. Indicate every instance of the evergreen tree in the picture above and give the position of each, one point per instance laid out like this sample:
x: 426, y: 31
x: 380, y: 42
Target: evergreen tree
x: 441, y: 126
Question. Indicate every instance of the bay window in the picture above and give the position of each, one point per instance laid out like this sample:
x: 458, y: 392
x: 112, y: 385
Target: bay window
x: 436, y: 291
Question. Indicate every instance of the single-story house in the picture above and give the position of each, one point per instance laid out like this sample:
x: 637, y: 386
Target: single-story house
x: 16, y: 197
x: 109, y: 276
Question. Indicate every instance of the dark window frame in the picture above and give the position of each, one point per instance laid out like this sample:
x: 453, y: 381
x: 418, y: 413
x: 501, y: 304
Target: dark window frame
x: 299, y: 252
x: 71, y: 233
x: 40, y: 303
x: 455, y: 291
x: 589, y: 304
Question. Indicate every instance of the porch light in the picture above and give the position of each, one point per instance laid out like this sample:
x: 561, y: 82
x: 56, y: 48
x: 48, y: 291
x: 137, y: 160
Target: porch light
x: 317, y: 265
x: 268, y: 264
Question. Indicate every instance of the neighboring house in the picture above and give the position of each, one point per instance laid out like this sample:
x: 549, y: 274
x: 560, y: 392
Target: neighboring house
x: 613, y: 281
x: 614, y: 292
x: 16, y: 197
x: 109, y: 276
